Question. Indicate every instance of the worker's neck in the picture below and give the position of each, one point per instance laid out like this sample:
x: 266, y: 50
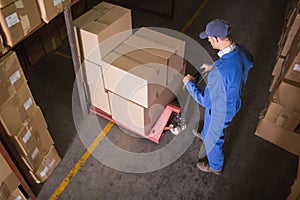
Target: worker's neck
x: 225, y: 44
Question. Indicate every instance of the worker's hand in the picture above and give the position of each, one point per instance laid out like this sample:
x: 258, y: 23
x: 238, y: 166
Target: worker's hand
x: 187, y: 78
x: 206, y: 67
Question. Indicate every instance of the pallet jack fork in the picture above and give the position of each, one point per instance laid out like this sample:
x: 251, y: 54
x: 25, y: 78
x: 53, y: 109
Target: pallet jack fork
x: 157, y: 130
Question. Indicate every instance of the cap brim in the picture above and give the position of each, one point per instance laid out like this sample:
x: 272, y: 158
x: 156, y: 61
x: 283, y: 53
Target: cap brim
x: 203, y: 35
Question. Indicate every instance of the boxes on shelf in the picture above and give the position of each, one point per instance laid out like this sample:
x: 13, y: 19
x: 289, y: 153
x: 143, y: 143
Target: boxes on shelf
x: 19, y: 108
x: 102, y: 29
x: 134, y: 81
x: 18, y: 20
x: 34, y: 49
x: 135, y: 117
x: 12, y: 77
x: 49, y: 162
x: 34, y: 140
x: 9, y: 188
x: 51, y: 8
x: 288, y: 96
x: 279, y: 136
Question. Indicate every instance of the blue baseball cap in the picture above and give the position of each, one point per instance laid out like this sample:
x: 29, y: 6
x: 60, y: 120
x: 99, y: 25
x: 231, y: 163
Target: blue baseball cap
x: 217, y: 28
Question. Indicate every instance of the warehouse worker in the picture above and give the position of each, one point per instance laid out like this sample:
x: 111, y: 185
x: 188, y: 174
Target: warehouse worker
x: 222, y: 94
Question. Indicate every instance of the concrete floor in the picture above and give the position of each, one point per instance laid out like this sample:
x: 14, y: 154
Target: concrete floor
x: 255, y: 169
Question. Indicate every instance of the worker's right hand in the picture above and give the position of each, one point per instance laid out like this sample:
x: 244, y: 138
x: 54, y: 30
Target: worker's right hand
x: 206, y: 67
x: 187, y: 78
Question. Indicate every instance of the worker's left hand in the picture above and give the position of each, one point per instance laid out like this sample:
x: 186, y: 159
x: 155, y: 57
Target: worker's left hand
x: 187, y: 78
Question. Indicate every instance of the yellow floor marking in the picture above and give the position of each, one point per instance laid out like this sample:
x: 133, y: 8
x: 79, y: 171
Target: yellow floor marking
x: 193, y: 18
x: 81, y: 161
x: 63, y: 55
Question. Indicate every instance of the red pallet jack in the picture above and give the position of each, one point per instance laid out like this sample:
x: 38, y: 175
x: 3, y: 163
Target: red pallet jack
x: 157, y: 130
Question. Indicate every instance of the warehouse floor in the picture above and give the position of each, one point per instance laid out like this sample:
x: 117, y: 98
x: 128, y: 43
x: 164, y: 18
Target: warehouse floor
x: 254, y: 168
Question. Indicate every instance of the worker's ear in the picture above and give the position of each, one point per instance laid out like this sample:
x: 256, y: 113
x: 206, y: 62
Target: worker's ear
x: 216, y: 39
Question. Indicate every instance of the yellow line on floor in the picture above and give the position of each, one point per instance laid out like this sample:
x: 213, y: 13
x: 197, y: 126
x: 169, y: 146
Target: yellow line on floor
x: 81, y: 161
x: 63, y: 55
x: 193, y: 18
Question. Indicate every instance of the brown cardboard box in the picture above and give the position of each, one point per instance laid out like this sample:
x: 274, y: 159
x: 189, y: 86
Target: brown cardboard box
x: 51, y: 8
x: 36, y: 142
x: 287, y: 118
x: 293, y: 71
x: 277, y: 73
x: 5, y: 169
x: 17, y: 195
x: 12, y: 77
x: 18, y: 20
x: 4, y: 3
x: 164, y: 39
x: 51, y: 41
x: 132, y: 80
x: 17, y: 110
x: 34, y: 49
x: 105, y: 32
x: 47, y: 166
x: 135, y: 117
x: 288, y: 96
x: 295, y: 190
x: 2, y: 48
x: 291, y: 35
x: 279, y: 136
x: 8, y: 186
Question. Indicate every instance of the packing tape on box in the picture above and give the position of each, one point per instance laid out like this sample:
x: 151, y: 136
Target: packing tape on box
x: 19, y: 4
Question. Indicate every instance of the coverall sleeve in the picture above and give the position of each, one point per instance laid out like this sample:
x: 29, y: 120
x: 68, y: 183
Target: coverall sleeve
x: 201, y: 97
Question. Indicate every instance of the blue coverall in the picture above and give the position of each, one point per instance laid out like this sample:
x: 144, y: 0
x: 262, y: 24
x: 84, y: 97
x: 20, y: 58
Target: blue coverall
x: 221, y: 99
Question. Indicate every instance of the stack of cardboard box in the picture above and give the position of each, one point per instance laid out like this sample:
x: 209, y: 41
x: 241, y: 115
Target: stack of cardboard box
x: 132, y: 77
x: 280, y: 121
x: 18, y: 18
x: 51, y: 8
x: 9, y: 184
x: 23, y: 120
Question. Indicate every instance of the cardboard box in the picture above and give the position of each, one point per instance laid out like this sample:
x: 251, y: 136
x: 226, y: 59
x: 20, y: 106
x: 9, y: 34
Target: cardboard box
x: 100, y: 36
x: 8, y: 186
x: 47, y: 166
x: 135, y: 117
x: 17, y: 110
x: 153, y: 57
x: 291, y: 35
x: 35, y: 139
x: 276, y: 73
x: 12, y: 77
x: 288, y: 96
x: 132, y: 80
x: 2, y: 48
x: 293, y: 71
x: 4, y: 3
x: 51, y: 41
x: 95, y: 86
x: 34, y: 49
x: 282, y: 116
x: 18, y: 20
x: 51, y: 8
x: 5, y: 169
x: 279, y: 136
x: 162, y: 38
x: 17, y: 195
x: 99, y: 98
